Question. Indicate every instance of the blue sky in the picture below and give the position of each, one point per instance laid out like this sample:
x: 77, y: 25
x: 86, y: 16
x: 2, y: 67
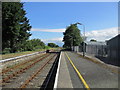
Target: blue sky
x: 49, y: 19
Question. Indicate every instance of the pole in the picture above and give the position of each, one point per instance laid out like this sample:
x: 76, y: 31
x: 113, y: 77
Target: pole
x: 83, y: 38
x: 84, y: 41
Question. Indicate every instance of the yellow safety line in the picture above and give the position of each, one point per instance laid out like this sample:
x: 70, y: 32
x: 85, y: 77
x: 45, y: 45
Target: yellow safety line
x: 80, y: 76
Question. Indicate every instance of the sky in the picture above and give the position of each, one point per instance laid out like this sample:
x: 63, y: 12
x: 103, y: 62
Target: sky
x: 50, y: 19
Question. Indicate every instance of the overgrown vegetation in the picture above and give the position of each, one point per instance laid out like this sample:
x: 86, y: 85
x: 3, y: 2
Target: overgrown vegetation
x: 15, y: 27
x: 29, y: 45
x: 16, y: 30
x: 10, y: 55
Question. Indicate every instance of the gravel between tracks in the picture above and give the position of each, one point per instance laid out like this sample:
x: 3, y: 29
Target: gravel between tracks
x: 37, y: 81
x: 11, y: 63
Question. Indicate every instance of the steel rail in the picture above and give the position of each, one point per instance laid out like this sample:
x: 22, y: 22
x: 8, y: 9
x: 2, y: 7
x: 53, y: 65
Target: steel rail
x: 35, y: 74
x: 21, y: 70
x: 18, y: 65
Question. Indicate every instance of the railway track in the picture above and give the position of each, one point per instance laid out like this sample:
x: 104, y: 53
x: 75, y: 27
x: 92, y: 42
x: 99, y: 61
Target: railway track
x: 24, y: 85
x: 21, y: 69
x: 25, y: 69
x: 15, y: 66
x: 12, y: 63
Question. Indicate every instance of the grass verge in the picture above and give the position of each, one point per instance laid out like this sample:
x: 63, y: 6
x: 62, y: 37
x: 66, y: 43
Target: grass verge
x: 10, y: 55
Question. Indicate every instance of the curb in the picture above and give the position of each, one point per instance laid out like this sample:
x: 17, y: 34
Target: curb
x: 57, y: 74
x: 17, y: 57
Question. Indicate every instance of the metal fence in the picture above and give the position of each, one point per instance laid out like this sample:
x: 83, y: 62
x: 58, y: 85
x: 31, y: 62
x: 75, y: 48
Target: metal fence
x: 105, y: 53
x: 95, y: 50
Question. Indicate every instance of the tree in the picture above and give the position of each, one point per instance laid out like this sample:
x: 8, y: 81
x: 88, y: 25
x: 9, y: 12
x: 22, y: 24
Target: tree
x: 72, y: 36
x: 37, y: 44
x: 52, y: 45
x: 56, y: 46
x: 15, y: 26
x: 33, y: 44
x: 93, y: 40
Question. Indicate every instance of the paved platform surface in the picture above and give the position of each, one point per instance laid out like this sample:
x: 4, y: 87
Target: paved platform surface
x: 64, y: 80
x: 111, y: 67
x: 94, y: 75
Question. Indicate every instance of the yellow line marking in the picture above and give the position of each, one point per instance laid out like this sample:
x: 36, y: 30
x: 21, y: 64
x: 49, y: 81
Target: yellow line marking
x: 80, y: 76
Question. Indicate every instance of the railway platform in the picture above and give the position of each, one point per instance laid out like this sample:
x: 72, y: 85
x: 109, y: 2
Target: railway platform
x: 75, y: 71
x: 62, y: 79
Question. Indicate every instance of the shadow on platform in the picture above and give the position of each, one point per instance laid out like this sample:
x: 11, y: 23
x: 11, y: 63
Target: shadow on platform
x: 108, y: 60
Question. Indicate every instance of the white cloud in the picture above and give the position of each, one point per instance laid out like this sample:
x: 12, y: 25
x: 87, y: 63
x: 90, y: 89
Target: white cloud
x: 102, y: 35
x: 48, y: 30
x: 53, y: 39
x: 99, y: 35
x: 57, y: 41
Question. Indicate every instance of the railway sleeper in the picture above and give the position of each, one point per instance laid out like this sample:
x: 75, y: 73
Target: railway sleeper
x: 20, y: 71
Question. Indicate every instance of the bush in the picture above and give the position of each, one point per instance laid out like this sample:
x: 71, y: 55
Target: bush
x: 38, y: 47
x: 52, y: 45
x: 47, y: 47
x: 6, y: 50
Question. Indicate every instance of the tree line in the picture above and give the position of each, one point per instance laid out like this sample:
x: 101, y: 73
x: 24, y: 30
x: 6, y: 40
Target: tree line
x: 16, y: 30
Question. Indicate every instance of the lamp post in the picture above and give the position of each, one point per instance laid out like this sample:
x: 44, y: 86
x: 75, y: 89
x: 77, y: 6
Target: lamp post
x: 83, y: 38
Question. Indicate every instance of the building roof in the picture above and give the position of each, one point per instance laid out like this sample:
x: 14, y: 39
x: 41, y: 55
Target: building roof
x: 95, y: 43
x: 116, y: 37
